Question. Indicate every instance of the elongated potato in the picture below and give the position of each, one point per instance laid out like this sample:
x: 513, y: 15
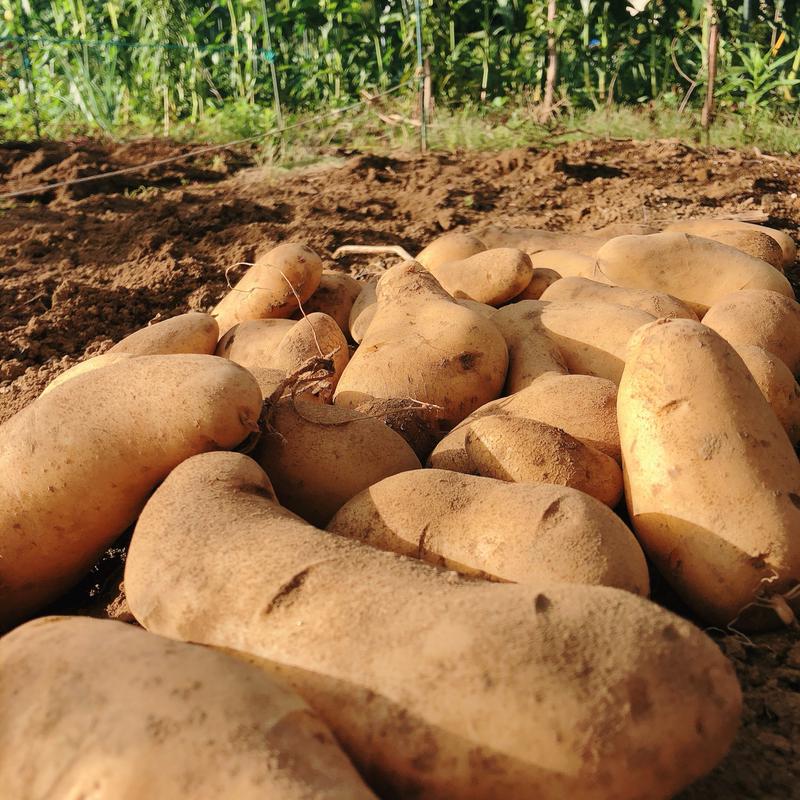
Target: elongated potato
x: 81, y: 460
x: 321, y: 456
x: 585, y: 290
x: 489, y: 528
x: 584, y: 406
x: 778, y: 386
x: 97, y: 362
x: 614, y: 229
x: 568, y: 263
x: 531, y: 351
x: 529, y: 451
x: 423, y: 346
x: 335, y: 295
x: 492, y: 277
x: 591, y: 338
x: 715, y: 227
x: 454, y: 246
x: 711, y: 479
x: 761, y: 319
x: 187, y: 333
x: 698, y: 271
x: 272, y: 288
x: 118, y: 714
x: 253, y: 343
x: 540, y: 280
x: 363, y: 310
x: 533, y: 240
x: 570, y: 691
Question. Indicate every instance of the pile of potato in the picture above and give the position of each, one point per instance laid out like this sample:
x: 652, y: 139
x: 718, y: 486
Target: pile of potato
x: 417, y: 566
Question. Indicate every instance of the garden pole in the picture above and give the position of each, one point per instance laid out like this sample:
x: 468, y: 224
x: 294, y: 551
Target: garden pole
x: 423, y: 117
x: 552, y: 63
x: 713, y: 36
x: 27, y: 68
x: 270, y: 56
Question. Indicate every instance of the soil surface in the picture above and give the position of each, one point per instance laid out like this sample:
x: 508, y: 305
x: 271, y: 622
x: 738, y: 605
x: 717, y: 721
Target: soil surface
x: 83, y: 265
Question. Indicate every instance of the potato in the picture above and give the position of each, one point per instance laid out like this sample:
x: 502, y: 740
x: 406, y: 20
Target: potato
x: 454, y: 246
x: 320, y: 456
x: 754, y: 243
x: 614, y: 229
x: 591, y: 337
x: 540, y: 280
x: 363, y: 310
x: 415, y: 422
x: 437, y: 686
x: 533, y: 240
x: 492, y: 277
x: 711, y: 479
x: 335, y: 295
x: 713, y: 227
x: 778, y: 386
x: 423, y: 346
x: 96, y: 709
x: 483, y: 309
x: 528, y: 451
x: 253, y: 343
x: 569, y: 264
x: 489, y: 528
x: 698, y: 271
x: 761, y: 319
x: 531, y: 351
x: 81, y: 461
x: 187, y: 333
x: 97, y: 362
x: 583, y: 406
x: 589, y: 291
x: 273, y: 288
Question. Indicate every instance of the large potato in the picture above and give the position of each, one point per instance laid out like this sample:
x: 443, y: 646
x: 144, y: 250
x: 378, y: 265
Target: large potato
x: 437, y: 686
x: 187, y: 333
x: 759, y: 318
x: 584, y: 406
x: 489, y: 528
x: 101, y: 710
x: 423, y: 346
x: 711, y: 479
x: 274, y: 287
x: 454, y: 246
x: 698, y: 271
x: 533, y: 240
x: 318, y: 457
x: 529, y: 451
x: 335, y: 295
x: 81, y: 460
x: 589, y: 291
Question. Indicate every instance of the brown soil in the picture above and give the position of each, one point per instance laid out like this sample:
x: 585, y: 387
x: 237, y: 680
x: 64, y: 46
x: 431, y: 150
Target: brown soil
x: 81, y: 266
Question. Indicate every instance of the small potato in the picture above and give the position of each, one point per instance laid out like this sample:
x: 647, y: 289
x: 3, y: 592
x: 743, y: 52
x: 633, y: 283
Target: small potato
x: 318, y: 457
x: 488, y: 528
x: 363, y: 310
x: 540, y: 280
x: 187, y: 333
x: 335, y: 295
x: 569, y: 264
x: 454, y: 246
x: 528, y: 451
x: 272, y: 288
x: 583, y: 406
x: 103, y: 360
x: 584, y: 290
x: 492, y: 277
x: 96, y: 709
x: 759, y: 318
x: 533, y: 240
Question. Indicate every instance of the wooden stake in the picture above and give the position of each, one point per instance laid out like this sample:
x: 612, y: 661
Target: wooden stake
x: 707, y: 116
x: 552, y: 63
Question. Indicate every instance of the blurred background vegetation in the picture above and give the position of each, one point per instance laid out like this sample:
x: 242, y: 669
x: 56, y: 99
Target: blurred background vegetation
x: 204, y: 70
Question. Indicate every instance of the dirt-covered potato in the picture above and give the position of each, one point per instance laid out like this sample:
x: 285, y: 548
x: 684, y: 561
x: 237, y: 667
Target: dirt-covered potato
x: 319, y: 456
x: 711, y: 479
x: 423, y: 346
x: 489, y: 528
x: 436, y: 685
x: 273, y: 288
x: 335, y: 295
x: 187, y: 333
x: 97, y: 709
x: 529, y: 451
x: 80, y: 462
x: 454, y: 246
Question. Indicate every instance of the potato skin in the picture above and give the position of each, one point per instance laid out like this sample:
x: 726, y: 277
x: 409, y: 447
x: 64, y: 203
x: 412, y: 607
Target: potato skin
x: 567, y: 691
x: 534, y: 240
x: 529, y: 451
x: 120, y: 714
x: 540, y: 280
x: 271, y: 287
x: 489, y: 528
x: 363, y: 310
x: 759, y: 318
x: 187, y: 333
x: 454, y: 246
x: 335, y: 295
x: 321, y: 456
x: 422, y: 345
x: 79, y: 479
x: 698, y: 438
x: 90, y: 364
x: 568, y: 263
